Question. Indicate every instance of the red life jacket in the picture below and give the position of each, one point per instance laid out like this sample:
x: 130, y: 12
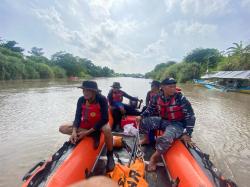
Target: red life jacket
x: 91, y: 114
x: 170, y: 110
x: 117, y: 96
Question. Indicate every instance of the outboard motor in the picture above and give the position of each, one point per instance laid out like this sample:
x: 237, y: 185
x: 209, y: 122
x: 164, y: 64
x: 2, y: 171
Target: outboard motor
x: 135, y: 103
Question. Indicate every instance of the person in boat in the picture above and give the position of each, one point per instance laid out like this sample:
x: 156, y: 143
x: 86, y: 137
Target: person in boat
x: 155, y: 89
x: 175, y: 115
x: 91, y: 118
x: 119, y: 109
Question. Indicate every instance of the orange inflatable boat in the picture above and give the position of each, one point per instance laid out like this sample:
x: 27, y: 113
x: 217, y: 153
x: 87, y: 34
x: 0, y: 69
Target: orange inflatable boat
x: 68, y: 165
x: 182, y: 166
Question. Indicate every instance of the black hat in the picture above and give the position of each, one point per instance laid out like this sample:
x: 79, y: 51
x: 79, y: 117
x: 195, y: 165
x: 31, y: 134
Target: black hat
x: 155, y: 83
x: 91, y: 85
x: 116, y: 85
x: 168, y: 81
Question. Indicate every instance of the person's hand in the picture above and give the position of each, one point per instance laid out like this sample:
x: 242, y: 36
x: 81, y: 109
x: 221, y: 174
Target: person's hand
x: 81, y: 134
x: 73, y: 138
x: 138, y: 120
x: 187, y: 140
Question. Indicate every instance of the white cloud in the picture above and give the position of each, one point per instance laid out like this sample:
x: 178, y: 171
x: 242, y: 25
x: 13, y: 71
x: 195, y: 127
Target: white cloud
x: 121, y: 34
x: 193, y: 28
x: 199, y: 7
x: 99, y: 42
x: 157, y: 48
x: 170, y: 4
x: 245, y: 3
x: 54, y: 22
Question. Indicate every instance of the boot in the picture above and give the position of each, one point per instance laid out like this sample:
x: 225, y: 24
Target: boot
x: 110, y: 161
x: 117, y: 128
x: 96, y: 137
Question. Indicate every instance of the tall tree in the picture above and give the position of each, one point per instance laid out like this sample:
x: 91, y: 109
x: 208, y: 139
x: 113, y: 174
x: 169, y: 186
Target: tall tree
x: 35, y: 51
x: 202, y: 56
x: 237, y: 49
x: 12, y: 46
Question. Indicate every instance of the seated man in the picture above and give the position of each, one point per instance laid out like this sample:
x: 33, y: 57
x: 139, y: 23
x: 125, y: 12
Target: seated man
x: 176, y: 114
x: 155, y: 89
x: 119, y: 109
x: 91, y: 117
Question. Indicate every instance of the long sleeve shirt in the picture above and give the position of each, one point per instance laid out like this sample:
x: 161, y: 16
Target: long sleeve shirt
x: 181, y: 100
x: 148, y: 98
x: 104, y: 111
x: 124, y: 94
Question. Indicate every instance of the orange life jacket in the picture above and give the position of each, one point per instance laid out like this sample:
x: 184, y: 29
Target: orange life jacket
x: 170, y: 110
x: 117, y: 96
x: 129, y: 176
x: 91, y: 114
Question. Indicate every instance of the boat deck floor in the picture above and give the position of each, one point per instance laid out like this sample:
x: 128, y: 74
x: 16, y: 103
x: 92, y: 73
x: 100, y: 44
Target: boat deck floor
x: 158, y: 178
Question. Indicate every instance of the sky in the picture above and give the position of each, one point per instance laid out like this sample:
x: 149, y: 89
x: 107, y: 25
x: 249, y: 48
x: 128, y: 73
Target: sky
x: 130, y: 36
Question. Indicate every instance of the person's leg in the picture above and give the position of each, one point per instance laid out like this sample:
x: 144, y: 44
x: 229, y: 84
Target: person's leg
x: 108, y: 137
x: 163, y: 143
x: 66, y: 128
x: 96, y: 136
x: 117, y: 117
x: 147, y: 125
x: 151, y: 136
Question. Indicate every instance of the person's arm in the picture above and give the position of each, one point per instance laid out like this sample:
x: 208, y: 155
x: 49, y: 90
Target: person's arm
x: 147, y: 98
x: 78, y: 114
x: 110, y: 98
x: 151, y: 107
x: 129, y: 96
x: 104, y: 113
x: 189, y: 114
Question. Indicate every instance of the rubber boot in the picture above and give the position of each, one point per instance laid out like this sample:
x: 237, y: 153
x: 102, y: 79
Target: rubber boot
x: 117, y: 128
x: 110, y: 161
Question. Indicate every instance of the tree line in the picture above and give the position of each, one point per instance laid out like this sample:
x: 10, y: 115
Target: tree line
x: 201, y: 61
x: 15, y: 65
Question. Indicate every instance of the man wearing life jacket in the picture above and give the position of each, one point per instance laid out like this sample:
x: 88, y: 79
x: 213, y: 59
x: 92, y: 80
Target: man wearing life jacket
x: 155, y: 89
x: 176, y: 114
x: 115, y: 98
x: 90, y: 119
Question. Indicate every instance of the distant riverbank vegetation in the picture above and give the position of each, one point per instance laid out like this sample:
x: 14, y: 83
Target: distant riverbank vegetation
x: 201, y: 61
x: 15, y: 65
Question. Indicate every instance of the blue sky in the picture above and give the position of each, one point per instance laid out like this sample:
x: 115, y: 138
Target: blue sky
x: 126, y: 35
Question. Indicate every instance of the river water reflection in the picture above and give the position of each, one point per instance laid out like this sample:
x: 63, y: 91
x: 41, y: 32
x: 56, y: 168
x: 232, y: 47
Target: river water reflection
x: 31, y: 112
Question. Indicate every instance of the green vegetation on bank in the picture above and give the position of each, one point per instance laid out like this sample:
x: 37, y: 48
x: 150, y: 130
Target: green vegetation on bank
x: 201, y: 61
x: 15, y: 65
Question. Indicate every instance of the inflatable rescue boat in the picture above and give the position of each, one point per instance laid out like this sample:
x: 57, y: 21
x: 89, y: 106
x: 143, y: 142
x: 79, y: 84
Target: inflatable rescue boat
x: 181, y: 166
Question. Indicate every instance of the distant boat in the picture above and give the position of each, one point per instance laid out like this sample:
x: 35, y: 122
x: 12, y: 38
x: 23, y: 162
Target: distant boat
x: 232, y: 81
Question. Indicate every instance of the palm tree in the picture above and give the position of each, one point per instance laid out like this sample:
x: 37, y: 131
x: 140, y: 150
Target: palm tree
x: 237, y: 49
